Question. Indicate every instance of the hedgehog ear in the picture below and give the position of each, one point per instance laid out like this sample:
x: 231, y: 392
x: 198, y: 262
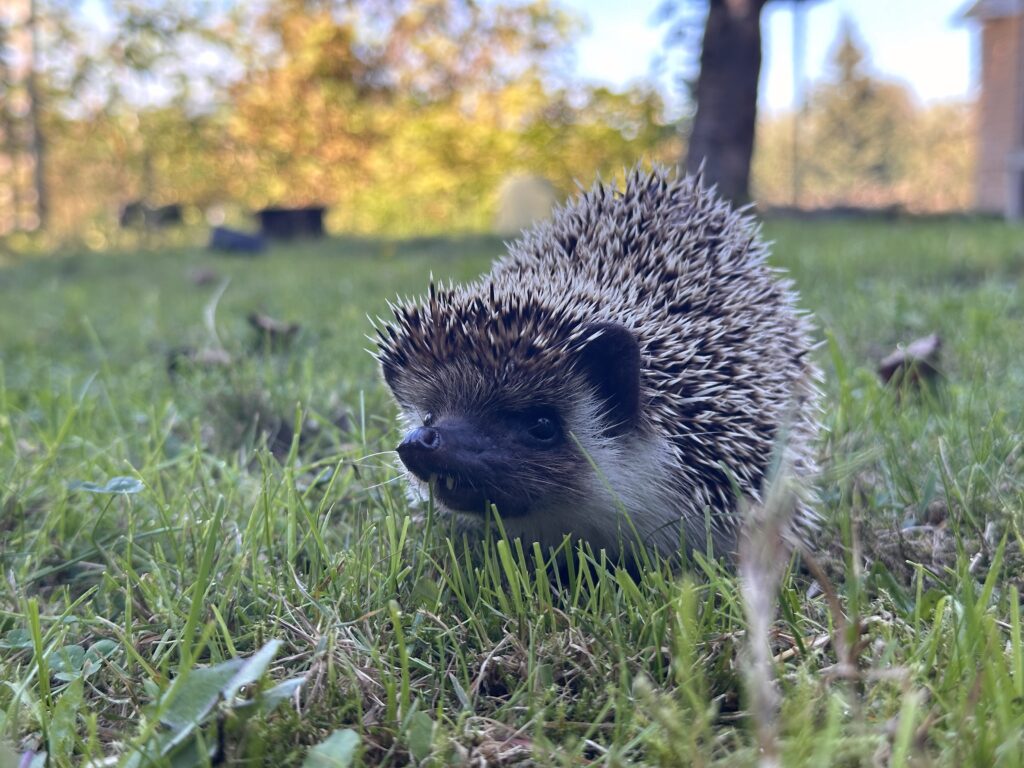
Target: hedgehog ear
x: 609, y: 356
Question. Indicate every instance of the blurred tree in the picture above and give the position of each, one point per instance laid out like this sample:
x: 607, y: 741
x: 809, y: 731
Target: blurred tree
x: 403, y: 115
x: 40, y: 46
x: 860, y: 127
x: 34, y: 92
x: 938, y: 173
x: 158, y: 77
x: 407, y: 114
x: 22, y: 111
x: 866, y: 143
x: 441, y: 166
x: 105, y: 65
x: 722, y: 135
x: 302, y: 119
x: 722, y: 138
x: 10, y: 192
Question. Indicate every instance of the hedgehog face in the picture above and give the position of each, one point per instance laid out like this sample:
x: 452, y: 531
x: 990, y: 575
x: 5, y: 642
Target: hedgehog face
x: 524, y: 442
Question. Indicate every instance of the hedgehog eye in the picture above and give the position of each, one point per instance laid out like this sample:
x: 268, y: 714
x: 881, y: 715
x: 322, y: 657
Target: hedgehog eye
x: 543, y: 429
x: 428, y: 419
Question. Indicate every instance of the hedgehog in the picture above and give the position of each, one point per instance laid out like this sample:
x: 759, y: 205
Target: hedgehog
x: 623, y: 376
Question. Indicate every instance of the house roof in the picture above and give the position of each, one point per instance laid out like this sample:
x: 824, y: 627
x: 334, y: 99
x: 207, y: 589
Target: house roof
x: 982, y: 10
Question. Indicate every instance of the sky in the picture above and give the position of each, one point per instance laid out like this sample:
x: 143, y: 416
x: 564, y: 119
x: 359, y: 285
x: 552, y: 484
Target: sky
x: 921, y: 43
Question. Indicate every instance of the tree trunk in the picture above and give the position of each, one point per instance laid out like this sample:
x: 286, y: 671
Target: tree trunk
x: 35, y: 119
x: 723, y: 129
x: 10, y: 153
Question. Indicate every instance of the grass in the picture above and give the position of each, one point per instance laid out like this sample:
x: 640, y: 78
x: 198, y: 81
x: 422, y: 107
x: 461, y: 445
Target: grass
x: 260, y: 503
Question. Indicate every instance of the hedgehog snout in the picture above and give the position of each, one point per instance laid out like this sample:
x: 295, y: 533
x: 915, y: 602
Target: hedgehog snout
x: 447, y: 448
x: 421, y: 438
x: 474, y: 462
x: 420, y: 451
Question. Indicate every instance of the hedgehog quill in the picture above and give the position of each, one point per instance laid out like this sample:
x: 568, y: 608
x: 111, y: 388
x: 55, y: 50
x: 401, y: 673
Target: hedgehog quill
x: 626, y: 368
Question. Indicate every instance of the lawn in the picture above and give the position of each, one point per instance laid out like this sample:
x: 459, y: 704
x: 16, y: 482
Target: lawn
x: 178, y: 491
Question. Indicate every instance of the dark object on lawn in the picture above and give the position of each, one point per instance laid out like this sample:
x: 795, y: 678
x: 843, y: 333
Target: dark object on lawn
x: 292, y: 223
x: 277, y: 333
x: 916, y: 363
x: 617, y: 377
x: 140, y: 215
x: 232, y: 241
x: 203, y: 276
x: 180, y: 359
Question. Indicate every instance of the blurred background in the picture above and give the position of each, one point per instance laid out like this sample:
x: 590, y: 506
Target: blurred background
x: 402, y: 117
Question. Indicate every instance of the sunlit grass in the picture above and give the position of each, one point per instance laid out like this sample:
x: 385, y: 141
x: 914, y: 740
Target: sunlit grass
x: 264, y: 505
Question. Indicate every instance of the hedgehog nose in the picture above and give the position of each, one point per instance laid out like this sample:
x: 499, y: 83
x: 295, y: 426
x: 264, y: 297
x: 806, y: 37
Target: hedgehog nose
x: 420, y: 453
x: 420, y: 439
